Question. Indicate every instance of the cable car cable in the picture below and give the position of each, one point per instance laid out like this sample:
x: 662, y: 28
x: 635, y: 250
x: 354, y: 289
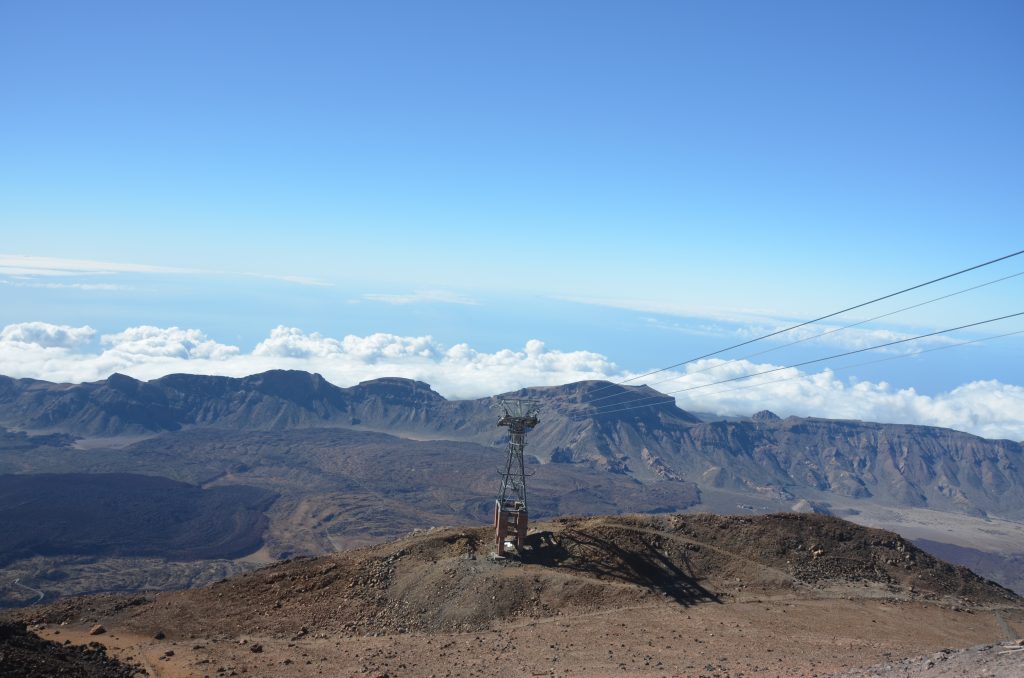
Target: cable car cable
x: 824, y: 317
x: 816, y: 336
x: 604, y: 410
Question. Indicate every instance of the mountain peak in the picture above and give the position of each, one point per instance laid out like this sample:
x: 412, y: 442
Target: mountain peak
x: 117, y: 379
x: 301, y: 376
x: 600, y: 397
x: 398, y: 387
x: 124, y: 384
x: 766, y: 415
x: 591, y: 390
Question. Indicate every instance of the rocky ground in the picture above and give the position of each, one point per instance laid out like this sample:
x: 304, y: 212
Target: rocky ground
x: 24, y: 654
x: 1003, y: 659
x: 683, y: 595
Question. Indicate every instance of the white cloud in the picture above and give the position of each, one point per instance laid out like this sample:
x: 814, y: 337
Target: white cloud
x: 146, y: 341
x: 16, y: 264
x: 63, y: 285
x: 63, y: 353
x: 31, y: 267
x: 704, y: 313
x: 456, y: 371
x: 296, y: 279
x: 291, y: 342
x: 422, y: 297
x: 987, y: 408
x: 46, y: 335
x: 843, y: 337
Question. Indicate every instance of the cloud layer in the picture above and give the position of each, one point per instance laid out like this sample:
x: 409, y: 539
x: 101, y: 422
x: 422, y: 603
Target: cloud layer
x: 72, y: 354
x: 24, y: 269
x: 45, y: 335
x: 422, y: 297
x: 987, y: 408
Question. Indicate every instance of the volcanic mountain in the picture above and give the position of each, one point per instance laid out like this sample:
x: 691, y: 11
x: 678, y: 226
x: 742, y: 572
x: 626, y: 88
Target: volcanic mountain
x: 285, y: 463
x: 894, y: 464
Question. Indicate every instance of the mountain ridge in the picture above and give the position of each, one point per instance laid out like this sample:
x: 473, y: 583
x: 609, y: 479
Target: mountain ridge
x: 896, y: 464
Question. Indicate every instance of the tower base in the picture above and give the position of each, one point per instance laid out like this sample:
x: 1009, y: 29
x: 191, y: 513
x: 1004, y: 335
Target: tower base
x: 510, y: 525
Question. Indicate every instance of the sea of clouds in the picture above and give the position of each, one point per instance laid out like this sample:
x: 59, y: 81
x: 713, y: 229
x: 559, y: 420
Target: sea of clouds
x: 63, y: 353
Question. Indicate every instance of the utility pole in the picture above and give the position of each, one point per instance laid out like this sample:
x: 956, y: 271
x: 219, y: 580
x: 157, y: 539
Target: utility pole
x: 510, y: 513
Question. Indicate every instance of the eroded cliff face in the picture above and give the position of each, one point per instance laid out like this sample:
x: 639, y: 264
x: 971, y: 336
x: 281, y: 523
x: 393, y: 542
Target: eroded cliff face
x: 905, y: 465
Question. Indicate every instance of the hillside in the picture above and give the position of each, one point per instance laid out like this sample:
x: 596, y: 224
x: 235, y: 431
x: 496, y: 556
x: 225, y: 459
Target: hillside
x: 124, y: 514
x: 668, y: 594
x: 293, y: 492
x: 440, y: 580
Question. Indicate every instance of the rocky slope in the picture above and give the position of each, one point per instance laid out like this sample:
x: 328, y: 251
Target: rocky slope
x: 23, y: 654
x: 890, y: 463
x: 1002, y: 659
x: 778, y: 595
x: 444, y: 580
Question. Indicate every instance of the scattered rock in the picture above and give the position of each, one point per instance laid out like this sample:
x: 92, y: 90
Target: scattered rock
x: 97, y: 630
x: 23, y: 653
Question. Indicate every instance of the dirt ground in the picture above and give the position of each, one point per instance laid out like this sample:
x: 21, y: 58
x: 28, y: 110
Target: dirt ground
x: 684, y: 595
x: 777, y: 637
x: 24, y: 654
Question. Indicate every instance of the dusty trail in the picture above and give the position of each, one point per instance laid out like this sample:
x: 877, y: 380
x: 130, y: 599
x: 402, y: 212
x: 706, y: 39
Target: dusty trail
x: 40, y: 594
x: 1008, y: 633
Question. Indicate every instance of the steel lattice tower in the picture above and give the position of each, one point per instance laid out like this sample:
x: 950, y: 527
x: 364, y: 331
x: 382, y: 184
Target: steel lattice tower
x: 510, y: 513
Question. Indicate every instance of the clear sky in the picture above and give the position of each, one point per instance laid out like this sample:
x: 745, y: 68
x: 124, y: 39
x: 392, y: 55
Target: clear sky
x: 473, y: 171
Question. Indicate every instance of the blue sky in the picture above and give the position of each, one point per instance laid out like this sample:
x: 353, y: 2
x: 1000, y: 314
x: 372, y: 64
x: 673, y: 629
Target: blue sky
x: 681, y: 165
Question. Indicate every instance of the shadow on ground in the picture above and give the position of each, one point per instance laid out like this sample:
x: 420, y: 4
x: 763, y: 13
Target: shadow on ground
x: 642, y: 564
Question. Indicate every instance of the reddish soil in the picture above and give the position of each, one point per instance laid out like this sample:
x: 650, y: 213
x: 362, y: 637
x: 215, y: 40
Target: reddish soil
x: 683, y: 595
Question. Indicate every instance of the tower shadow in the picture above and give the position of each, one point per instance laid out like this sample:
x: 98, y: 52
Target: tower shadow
x: 647, y: 566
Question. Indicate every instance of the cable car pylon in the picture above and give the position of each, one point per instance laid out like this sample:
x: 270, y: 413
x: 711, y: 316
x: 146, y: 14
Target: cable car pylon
x: 511, y: 516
